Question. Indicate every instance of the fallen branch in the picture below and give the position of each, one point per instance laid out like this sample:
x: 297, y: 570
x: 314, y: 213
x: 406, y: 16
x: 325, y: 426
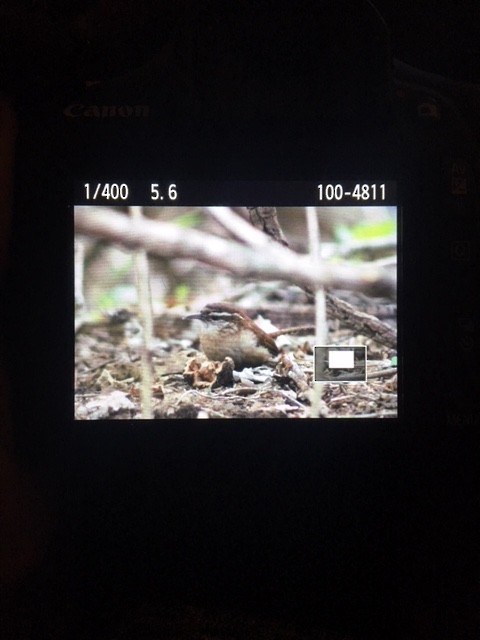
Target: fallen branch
x: 272, y: 262
x: 364, y: 323
x: 382, y: 373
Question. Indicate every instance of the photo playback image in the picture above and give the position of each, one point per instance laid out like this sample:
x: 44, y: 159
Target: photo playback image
x: 235, y: 300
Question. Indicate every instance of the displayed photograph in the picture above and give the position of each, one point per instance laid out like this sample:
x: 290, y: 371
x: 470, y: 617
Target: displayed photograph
x: 235, y: 312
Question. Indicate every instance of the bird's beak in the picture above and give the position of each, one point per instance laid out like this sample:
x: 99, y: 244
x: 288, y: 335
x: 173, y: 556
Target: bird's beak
x: 193, y: 316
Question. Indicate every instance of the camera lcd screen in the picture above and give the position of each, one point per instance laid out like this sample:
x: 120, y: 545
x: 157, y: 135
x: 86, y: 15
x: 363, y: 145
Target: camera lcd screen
x: 244, y: 300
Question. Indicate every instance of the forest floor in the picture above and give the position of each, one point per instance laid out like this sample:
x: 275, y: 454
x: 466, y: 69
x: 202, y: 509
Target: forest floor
x: 108, y: 375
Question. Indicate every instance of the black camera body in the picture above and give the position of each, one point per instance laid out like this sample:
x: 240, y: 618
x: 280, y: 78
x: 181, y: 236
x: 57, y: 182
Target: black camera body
x: 237, y: 99
x: 231, y: 103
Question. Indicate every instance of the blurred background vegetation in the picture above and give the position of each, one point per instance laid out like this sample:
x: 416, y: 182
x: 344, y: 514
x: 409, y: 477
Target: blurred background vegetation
x: 353, y: 234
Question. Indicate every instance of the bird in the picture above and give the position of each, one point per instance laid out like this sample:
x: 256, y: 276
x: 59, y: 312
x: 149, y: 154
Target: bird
x: 229, y: 332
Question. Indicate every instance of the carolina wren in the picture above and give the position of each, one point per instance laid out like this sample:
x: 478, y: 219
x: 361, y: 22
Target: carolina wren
x: 228, y: 331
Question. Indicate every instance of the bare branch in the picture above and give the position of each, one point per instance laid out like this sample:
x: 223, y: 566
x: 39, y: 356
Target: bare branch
x: 265, y: 218
x: 238, y: 227
x: 273, y: 262
x: 362, y: 322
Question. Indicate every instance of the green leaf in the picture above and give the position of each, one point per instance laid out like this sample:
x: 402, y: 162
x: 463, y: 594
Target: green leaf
x: 188, y: 220
x: 118, y: 296
x: 182, y: 293
x: 369, y: 230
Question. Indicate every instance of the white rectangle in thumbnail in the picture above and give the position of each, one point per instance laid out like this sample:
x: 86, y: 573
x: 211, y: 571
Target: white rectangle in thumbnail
x: 340, y: 359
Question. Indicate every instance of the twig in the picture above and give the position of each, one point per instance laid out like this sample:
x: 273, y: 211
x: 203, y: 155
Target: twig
x: 382, y: 373
x: 321, y: 328
x: 146, y: 318
x: 265, y: 218
x: 357, y: 377
x: 307, y: 329
x: 291, y: 400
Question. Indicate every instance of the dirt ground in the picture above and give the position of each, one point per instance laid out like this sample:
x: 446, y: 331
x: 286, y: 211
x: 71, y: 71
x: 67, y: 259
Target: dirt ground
x: 108, y: 379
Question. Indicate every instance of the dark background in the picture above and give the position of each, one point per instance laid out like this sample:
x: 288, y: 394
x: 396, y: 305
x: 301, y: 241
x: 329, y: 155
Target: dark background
x: 364, y: 529
x: 441, y: 37
x: 99, y: 38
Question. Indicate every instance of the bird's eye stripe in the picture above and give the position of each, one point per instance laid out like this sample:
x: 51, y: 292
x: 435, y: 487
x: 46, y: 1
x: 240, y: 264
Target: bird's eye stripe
x: 219, y: 315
